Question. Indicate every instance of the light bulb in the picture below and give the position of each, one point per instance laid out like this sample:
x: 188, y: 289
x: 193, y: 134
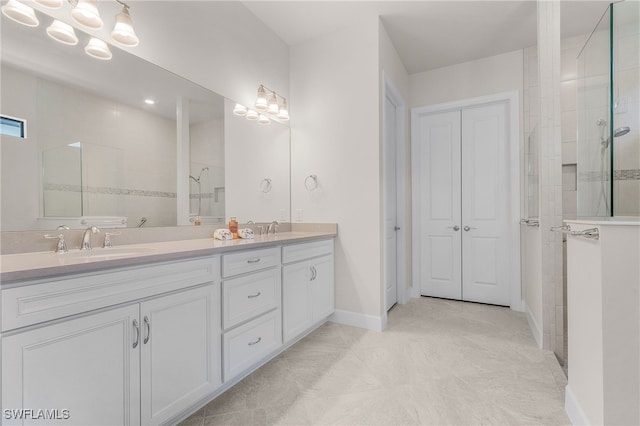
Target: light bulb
x: 64, y: 33
x: 20, y: 13
x: 86, y: 13
x: 273, y: 104
x: 98, y: 49
x: 240, y: 110
x: 263, y: 119
x: 261, y: 99
x: 123, y: 32
x: 283, y: 113
x: 252, y: 115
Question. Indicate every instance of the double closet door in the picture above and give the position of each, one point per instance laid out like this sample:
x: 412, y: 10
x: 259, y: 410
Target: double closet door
x: 463, y: 203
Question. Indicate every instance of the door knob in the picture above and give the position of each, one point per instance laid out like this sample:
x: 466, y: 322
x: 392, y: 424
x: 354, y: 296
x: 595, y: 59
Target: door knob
x: 468, y: 228
x: 396, y: 228
x: 455, y: 228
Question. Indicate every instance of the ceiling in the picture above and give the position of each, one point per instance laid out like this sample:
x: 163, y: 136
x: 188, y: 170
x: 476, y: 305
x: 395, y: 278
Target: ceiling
x: 428, y: 34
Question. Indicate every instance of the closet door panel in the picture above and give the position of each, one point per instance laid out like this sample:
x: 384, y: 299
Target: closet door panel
x: 485, y: 196
x: 439, y: 188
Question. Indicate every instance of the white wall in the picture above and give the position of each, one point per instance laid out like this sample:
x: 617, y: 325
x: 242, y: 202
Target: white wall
x: 335, y: 135
x: 486, y: 76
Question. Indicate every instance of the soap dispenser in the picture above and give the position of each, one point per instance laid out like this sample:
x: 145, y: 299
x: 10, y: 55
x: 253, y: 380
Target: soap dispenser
x: 233, y: 227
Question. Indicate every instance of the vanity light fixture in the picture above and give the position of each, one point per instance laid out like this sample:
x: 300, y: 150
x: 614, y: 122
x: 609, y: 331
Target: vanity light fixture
x: 252, y: 115
x: 83, y: 12
x: 86, y: 13
x: 64, y: 33
x: 263, y: 119
x: 240, y: 110
x: 149, y: 101
x: 270, y: 101
x: 51, y: 4
x: 98, y: 49
x: 20, y: 13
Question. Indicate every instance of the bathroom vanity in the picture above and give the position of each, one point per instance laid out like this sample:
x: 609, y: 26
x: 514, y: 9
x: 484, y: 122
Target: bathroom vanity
x: 147, y: 334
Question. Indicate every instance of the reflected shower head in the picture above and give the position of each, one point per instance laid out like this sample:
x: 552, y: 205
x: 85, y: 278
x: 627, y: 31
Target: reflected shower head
x: 621, y: 131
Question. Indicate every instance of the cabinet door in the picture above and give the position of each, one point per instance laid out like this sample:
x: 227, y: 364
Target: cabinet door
x: 87, y: 366
x: 296, y: 302
x: 180, y: 340
x: 322, y: 288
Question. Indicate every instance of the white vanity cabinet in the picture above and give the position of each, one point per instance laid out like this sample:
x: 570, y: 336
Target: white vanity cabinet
x: 308, y: 286
x: 251, y: 294
x: 142, y: 361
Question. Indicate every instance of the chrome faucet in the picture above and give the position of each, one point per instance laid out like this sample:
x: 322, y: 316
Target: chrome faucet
x: 86, y: 238
x: 273, y: 225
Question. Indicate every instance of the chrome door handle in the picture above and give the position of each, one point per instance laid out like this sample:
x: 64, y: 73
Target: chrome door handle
x: 148, y: 324
x: 468, y: 228
x: 137, y: 327
x: 455, y: 228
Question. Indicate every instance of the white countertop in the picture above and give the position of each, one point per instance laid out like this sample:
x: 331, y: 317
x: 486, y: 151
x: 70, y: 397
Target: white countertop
x: 615, y: 221
x: 17, y: 267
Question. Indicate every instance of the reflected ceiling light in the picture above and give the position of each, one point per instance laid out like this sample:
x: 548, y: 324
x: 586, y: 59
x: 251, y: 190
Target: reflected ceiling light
x: 51, y: 4
x: 263, y: 119
x: 252, y: 115
x: 283, y: 113
x: 98, y: 49
x: 20, y: 13
x: 261, y: 99
x: 123, y: 31
x: 86, y: 13
x: 240, y: 110
x: 149, y: 102
x: 64, y: 33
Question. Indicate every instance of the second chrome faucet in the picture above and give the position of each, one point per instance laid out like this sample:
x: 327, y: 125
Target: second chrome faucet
x: 86, y: 238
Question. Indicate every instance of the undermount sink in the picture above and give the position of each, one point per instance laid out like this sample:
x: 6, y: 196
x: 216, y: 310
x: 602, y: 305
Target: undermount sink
x: 107, y: 253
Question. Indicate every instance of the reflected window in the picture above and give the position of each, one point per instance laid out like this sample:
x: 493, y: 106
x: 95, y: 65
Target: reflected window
x: 13, y: 127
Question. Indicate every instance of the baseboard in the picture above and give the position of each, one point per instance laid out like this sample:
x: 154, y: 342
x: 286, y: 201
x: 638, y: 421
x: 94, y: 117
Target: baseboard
x: 574, y: 411
x: 533, y: 325
x: 368, y: 322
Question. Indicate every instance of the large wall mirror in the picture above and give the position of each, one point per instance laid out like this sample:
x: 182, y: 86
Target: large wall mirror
x: 102, y: 138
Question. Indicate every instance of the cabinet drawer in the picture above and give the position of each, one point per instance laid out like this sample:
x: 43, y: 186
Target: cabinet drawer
x: 297, y: 252
x: 251, y: 342
x: 45, y: 300
x: 249, y: 261
x: 249, y: 296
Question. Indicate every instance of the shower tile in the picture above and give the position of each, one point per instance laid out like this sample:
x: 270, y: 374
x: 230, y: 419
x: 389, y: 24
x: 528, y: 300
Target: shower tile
x: 568, y: 93
x: 569, y: 126
x: 569, y: 152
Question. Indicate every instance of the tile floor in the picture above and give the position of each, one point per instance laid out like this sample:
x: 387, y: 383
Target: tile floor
x: 438, y: 362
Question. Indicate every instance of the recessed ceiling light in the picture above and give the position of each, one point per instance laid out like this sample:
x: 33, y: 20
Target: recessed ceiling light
x: 149, y: 101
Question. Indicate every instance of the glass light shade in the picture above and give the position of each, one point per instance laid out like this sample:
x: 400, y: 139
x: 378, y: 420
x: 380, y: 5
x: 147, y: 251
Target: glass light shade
x: 51, y: 4
x: 98, y: 49
x: 240, y: 110
x: 86, y: 13
x: 123, y: 30
x: 283, y: 113
x: 261, y: 99
x: 252, y: 115
x: 64, y: 33
x: 263, y: 119
x: 20, y: 13
x: 273, y: 104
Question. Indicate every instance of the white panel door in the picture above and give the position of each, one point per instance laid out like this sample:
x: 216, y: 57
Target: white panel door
x: 181, y: 346
x: 439, y: 201
x: 390, y: 206
x: 89, y: 366
x: 485, y: 186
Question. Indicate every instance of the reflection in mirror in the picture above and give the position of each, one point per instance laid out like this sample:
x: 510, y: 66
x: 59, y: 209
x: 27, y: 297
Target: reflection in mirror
x: 257, y: 169
x: 97, y: 153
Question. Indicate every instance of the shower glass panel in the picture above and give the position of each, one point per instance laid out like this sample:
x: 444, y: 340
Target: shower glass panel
x: 625, y: 34
x: 593, y: 118
x: 609, y: 115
